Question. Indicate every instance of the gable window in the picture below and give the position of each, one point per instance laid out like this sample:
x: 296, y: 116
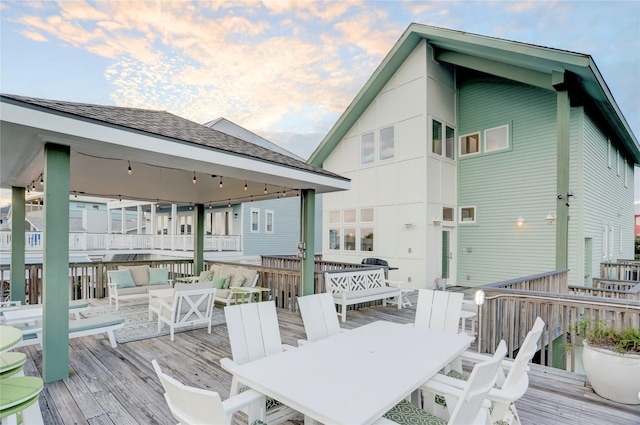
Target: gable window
x: 366, y: 148
x: 387, y: 143
x: 447, y: 214
x: 436, y: 137
x: 350, y: 216
x: 469, y: 144
x: 366, y: 215
x: 255, y: 220
x: 496, y: 138
x: 268, y: 221
x: 467, y: 214
x: 334, y: 217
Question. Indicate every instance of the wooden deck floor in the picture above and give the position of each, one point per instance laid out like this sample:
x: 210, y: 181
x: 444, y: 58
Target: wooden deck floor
x: 119, y: 386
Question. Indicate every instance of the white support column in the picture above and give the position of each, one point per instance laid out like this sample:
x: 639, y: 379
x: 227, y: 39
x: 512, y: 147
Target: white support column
x: 139, y: 219
x: 154, y: 221
x: 123, y: 219
x: 174, y: 224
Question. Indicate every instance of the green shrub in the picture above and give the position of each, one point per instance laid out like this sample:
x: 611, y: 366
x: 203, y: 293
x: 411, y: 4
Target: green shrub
x: 600, y: 334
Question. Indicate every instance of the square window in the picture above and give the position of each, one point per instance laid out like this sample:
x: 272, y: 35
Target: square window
x: 469, y: 144
x: 386, y: 143
x: 334, y: 217
x: 450, y: 150
x: 467, y: 214
x: 436, y: 137
x: 366, y: 148
x: 366, y: 239
x: 350, y: 216
x: 496, y: 139
x: 366, y: 215
x: 350, y: 239
x: 447, y: 214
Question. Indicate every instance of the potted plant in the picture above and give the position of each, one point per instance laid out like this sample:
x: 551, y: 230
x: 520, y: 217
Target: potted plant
x: 611, y: 360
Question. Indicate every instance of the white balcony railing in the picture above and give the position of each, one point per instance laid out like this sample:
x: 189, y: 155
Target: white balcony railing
x: 107, y: 241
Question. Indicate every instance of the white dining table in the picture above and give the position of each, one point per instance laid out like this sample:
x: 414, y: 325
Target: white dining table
x: 356, y: 376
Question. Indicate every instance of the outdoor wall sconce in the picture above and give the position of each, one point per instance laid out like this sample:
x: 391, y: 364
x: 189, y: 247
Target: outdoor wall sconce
x: 408, y: 224
x: 520, y: 221
x: 550, y: 218
x: 437, y: 221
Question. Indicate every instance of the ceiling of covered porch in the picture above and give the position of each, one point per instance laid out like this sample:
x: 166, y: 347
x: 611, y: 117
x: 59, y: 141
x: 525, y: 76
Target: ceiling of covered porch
x: 171, y: 159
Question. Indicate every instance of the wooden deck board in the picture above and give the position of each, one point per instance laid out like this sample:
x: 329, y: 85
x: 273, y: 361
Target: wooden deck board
x: 119, y: 386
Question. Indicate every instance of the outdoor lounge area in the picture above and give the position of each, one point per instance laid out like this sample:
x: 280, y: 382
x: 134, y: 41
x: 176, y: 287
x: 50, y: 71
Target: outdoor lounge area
x: 120, y: 386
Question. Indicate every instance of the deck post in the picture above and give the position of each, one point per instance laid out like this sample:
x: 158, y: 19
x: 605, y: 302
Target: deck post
x: 307, y: 236
x: 198, y: 240
x: 563, y: 201
x: 17, y: 244
x: 55, y: 264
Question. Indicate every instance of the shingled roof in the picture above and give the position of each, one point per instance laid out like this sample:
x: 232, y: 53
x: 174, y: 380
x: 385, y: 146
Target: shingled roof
x: 168, y: 125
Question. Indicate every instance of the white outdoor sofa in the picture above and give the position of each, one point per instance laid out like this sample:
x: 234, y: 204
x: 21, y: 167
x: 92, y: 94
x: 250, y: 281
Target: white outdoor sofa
x: 131, y: 282
x: 232, y: 276
x: 360, y: 286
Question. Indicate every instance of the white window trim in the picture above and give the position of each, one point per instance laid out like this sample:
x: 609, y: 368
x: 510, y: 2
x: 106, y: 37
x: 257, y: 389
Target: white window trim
x: 605, y: 240
x: 251, y: 211
x: 484, y: 141
x: 465, y: 155
x: 475, y: 214
x: 266, y: 221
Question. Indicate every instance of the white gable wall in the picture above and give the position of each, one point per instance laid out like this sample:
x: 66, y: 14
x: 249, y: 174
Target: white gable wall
x: 397, y: 189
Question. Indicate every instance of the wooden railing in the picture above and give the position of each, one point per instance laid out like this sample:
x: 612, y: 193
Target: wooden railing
x: 512, y: 306
x: 88, y: 279
x: 621, y: 270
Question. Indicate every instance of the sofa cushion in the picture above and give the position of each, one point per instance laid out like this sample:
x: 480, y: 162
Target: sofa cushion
x: 367, y: 292
x: 158, y: 276
x: 206, y: 276
x: 227, y: 280
x: 156, y: 287
x: 242, y: 272
x: 226, y: 269
x: 223, y: 293
x: 140, y: 274
x: 133, y: 290
x: 215, y: 268
x: 122, y: 278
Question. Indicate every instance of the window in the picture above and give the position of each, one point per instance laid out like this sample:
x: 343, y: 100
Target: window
x: 334, y: 217
x: 436, y: 137
x: 450, y: 143
x: 626, y: 174
x: 350, y: 216
x: 386, y: 143
x: 366, y: 215
x: 496, y: 138
x: 605, y: 233
x: 468, y: 214
x: 350, y: 239
x: 618, y: 161
x: 447, y: 214
x: 255, y: 220
x: 610, y: 241
x: 334, y: 239
x: 609, y: 156
x: 366, y: 239
x: 268, y: 221
x: 366, y: 148
x: 469, y: 144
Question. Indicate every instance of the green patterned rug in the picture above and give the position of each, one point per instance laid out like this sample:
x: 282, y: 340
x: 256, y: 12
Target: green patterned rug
x: 136, y: 321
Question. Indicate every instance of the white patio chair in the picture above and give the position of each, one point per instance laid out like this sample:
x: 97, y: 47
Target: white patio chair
x: 318, y: 316
x: 254, y: 334
x: 189, y: 307
x: 195, y: 406
x: 470, y: 404
x: 509, y: 387
x: 439, y: 310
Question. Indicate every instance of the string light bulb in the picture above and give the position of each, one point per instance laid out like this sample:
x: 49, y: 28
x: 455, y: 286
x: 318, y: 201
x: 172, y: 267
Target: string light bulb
x: 251, y: 198
x: 229, y: 203
x: 284, y: 192
x: 41, y: 180
x: 245, y: 186
x: 220, y: 185
x: 278, y: 196
x: 210, y: 205
x: 33, y: 186
x: 265, y: 188
x: 157, y: 203
x: 129, y: 170
x: 194, y: 178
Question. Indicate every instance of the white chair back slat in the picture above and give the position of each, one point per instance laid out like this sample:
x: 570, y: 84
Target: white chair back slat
x: 468, y: 409
x: 253, y: 331
x: 319, y: 316
x: 517, y: 376
x: 439, y: 310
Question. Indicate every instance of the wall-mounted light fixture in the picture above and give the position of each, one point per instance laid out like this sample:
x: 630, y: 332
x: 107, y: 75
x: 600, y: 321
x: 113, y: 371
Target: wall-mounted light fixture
x: 520, y: 221
x: 437, y: 221
x: 550, y: 218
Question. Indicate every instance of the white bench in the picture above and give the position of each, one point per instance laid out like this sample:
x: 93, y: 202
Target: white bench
x: 355, y: 287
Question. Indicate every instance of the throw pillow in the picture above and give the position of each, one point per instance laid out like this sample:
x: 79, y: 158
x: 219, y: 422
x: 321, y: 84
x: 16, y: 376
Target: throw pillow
x: 122, y: 278
x: 227, y: 280
x: 240, y: 281
x: 158, y: 276
x: 219, y: 282
x: 206, y: 276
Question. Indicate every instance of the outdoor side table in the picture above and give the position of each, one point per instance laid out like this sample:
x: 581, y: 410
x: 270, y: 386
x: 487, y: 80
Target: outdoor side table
x: 9, y: 336
x: 18, y: 393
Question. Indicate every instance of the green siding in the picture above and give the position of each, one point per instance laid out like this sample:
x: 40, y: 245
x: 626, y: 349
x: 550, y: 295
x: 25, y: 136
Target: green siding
x: 504, y: 185
x: 606, y: 199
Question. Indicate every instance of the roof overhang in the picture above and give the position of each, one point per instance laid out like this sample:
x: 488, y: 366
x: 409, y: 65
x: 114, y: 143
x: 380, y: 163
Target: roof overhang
x: 535, y: 65
x: 163, y: 167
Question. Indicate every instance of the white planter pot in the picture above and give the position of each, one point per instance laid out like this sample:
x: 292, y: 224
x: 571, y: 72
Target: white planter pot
x: 612, y: 375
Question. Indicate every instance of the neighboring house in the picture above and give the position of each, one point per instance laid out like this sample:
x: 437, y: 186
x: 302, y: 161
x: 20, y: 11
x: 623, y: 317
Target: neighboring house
x: 469, y: 154
x: 270, y: 227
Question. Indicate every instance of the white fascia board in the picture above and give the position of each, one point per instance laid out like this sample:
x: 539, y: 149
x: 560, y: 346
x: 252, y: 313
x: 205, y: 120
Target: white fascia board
x: 127, y: 141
